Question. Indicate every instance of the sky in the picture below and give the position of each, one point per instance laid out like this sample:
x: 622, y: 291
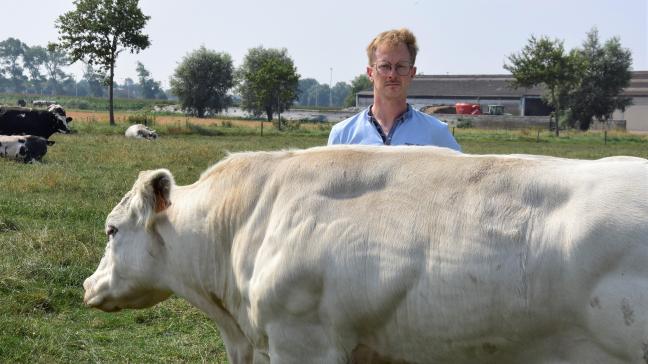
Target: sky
x: 327, y: 39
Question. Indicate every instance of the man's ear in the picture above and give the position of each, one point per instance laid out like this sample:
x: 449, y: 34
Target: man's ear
x: 370, y: 73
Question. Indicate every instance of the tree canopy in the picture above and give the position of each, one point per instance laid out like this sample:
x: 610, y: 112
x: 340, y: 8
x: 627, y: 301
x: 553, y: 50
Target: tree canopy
x: 202, y: 80
x: 11, y: 51
x: 148, y: 87
x: 544, y: 61
x: 360, y: 83
x: 605, y: 72
x: 587, y: 82
x: 97, y: 31
x: 268, y: 81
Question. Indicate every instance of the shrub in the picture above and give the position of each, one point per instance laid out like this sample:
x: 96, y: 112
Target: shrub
x: 141, y: 119
x: 464, y: 123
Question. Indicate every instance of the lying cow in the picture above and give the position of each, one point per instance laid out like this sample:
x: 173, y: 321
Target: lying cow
x: 140, y: 131
x: 43, y: 123
x: 409, y: 254
x: 26, y: 148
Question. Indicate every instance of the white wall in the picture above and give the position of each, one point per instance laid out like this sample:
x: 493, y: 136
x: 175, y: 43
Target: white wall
x: 636, y: 115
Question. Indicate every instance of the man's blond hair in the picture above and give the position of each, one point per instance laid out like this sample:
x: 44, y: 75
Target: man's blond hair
x: 392, y: 38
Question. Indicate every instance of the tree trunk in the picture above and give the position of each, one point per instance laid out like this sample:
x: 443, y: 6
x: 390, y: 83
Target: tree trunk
x: 269, y: 113
x: 556, y: 112
x: 110, y: 93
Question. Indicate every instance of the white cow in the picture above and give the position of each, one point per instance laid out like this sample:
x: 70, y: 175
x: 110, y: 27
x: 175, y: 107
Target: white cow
x: 140, y: 131
x: 409, y: 254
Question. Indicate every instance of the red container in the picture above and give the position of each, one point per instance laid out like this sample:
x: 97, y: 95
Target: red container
x: 467, y: 109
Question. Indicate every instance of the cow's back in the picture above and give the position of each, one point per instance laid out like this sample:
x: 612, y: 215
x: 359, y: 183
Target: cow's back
x: 20, y: 120
x: 426, y: 253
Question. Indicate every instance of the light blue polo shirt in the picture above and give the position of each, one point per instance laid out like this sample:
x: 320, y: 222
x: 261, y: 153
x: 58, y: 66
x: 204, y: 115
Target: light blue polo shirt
x: 411, y: 128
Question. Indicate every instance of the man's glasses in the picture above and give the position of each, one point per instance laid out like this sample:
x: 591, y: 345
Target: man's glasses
x: 384, y: 68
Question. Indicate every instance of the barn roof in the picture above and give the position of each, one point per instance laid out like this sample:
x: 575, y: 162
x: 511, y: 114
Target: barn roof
x: 496, y: 85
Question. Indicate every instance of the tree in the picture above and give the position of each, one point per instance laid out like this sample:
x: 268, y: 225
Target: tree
x: 341, y: 91
x: 34, y: 59
x: 268, y: 81
x: 360, y: 83
x: 11, y: 52
x: 95, y: 79
x: 97, y: 31
x: 54, y: 61
x: 149, y: 88
x: 303, y: 90
x: 202, y: 80
x: 606, y: 74
x: 544, y: 61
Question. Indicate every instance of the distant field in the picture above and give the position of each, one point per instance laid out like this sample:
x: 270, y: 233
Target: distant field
x: 51, y: 231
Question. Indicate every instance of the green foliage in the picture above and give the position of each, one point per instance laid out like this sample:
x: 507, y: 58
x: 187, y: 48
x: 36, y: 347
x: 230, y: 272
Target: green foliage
x: 464, y: 123
x: 606, y: 72
x: 268, y: 81
x: 98, y: 30
x: 360, y: 83
x: 312, y: 94
x: 148, y: 87
x: 544, y: 62
x: 202, y: 80
x: 145, y: 119
x: 11, y: 51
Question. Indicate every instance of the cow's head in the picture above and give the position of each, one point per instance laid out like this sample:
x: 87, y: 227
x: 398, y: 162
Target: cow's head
x: 62, y: 120
x: 147, y: 133
x: 129, y: 273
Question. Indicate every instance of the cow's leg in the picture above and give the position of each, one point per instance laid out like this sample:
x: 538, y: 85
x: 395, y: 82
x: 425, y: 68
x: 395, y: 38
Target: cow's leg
x: 303, y: 342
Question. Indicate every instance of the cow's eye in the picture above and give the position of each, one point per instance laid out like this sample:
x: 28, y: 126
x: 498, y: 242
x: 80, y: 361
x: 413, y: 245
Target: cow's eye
x: 111, y: 231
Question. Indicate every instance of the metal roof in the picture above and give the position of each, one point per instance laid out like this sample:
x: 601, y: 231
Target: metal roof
x: 497, y: 85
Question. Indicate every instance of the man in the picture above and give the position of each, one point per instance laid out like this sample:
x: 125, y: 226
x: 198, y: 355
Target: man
x: 390, y: 120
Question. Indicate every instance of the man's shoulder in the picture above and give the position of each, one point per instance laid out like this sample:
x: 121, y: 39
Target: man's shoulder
x: 351, y: 121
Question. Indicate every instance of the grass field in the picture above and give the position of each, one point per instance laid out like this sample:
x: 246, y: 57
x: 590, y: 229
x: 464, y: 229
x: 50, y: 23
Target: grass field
x: 52, y: 219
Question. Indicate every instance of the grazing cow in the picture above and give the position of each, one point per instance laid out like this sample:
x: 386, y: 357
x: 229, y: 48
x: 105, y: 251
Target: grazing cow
x: 140, y: 131
x: 21, y: 103
x: 44, y: 123
x: 26, y: 148
x: 406, y: 254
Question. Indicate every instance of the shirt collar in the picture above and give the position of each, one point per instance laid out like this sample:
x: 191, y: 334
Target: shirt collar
x: 401, y: 118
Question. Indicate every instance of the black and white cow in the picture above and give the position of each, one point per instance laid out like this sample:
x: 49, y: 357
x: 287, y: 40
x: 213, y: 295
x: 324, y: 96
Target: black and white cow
x: 43, y: 123
x: 26, y: 148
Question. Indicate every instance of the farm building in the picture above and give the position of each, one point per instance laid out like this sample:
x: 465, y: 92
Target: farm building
x: 495, y: 90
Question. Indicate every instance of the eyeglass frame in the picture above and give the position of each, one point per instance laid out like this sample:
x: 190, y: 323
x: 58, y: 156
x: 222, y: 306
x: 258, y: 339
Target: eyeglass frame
x: 394, y: 67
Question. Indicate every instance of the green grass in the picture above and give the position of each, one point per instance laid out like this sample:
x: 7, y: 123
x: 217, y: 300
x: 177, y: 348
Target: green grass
x: 51, y: 234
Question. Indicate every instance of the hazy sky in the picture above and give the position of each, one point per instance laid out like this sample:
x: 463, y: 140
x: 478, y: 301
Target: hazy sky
x: 455, y: 37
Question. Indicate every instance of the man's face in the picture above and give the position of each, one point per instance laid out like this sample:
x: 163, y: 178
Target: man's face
x: 391, y: 72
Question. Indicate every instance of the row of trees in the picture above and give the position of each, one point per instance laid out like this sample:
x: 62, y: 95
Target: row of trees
x: 581, y: 85
x: 40, y: 70
x: 97, y: 31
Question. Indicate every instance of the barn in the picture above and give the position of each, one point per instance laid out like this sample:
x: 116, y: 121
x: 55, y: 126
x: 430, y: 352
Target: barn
x: 495, y: 90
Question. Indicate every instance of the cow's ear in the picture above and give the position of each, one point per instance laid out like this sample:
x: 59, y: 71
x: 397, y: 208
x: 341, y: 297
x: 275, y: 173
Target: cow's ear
x: 50, y: 142
x: 151, y: 194
x: 68, y: 119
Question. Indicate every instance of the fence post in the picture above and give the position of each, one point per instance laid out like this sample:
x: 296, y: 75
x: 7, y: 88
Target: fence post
x: 538, y: 137
x: 453, y: 128
x: 605, y: 136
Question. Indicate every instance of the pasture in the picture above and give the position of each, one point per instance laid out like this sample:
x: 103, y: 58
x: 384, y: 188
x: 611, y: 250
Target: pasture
x: 52, y: 231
